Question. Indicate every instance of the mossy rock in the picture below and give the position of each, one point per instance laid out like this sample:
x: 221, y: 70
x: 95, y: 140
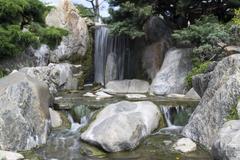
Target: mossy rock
x: 31, y: 155
x: 79, y: 112
x: 92, y: 151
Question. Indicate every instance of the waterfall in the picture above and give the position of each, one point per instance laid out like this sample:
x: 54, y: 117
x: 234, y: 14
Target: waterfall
x: 110, y: 56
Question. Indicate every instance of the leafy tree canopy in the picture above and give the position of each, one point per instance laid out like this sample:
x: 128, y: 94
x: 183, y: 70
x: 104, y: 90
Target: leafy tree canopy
x: 128, y: 16
x: 22, y: 24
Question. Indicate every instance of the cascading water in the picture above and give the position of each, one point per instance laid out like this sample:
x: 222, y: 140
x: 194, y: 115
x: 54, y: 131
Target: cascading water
x: 110, y: 56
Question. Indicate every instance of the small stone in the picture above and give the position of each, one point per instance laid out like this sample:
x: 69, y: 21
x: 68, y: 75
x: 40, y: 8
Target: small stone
x: 102, y: 95
x: 167, y: 143
x: 56, y: 120
x: 192, y: 94
x: 89, y: 94
x: 185, y: 145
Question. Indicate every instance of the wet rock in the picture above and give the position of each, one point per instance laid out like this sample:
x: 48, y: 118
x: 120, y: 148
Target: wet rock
x: 55, y: 117
x: 122, y: 125
x: 158, y: 36
x: 24, y: 113
x: 185, y: 145
x: 80, y: 112
x: 219, y: 98
x: 57, y: 76
x: 153, y: 57
x: 6, y: 155
x: 66, y: 16
x: 127, y: 86
x: 192, y: 94
x: 171, y: 77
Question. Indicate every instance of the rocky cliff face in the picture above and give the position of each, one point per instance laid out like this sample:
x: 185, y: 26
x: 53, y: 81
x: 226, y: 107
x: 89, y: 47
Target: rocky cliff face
x: 218, y: 99
x: 73, y: 46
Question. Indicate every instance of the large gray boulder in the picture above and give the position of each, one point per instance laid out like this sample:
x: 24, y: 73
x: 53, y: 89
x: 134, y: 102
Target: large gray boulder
x: 171, y: 77
x: 24, y: 114
x: 62, y: 76
x: 122, y: 125
x: 226, y: 145
x: 158, y: 36
x: 73, y: 46
x: 127, y: 86
x: 219, y: 98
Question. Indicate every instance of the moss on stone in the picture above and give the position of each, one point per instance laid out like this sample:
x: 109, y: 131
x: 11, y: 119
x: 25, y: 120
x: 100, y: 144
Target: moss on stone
x: 31, y: 155
x: 87, y: 61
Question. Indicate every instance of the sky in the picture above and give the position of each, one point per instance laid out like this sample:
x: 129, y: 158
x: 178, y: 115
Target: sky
x: 103, y: 8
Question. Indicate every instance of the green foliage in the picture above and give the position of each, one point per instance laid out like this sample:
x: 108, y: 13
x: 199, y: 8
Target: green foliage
x: 21, y: 11
x: 13, y: 40
x: 129, y: 18
x: 84, y: 11
x: 233, y: 114
x: 51, y: 36
x: 87, y: 61
x: 2, y: 73
x: 204, y: 36
x: 236, y: 19
x: 201, y: 68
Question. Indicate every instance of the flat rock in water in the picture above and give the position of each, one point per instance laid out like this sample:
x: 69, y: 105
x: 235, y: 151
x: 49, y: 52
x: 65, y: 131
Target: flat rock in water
x: 175, y: 96
x: 185, y: 145
x: 135, y: 96
x: 6, y: 155
x: 121, y: 126
x: 127, y: 86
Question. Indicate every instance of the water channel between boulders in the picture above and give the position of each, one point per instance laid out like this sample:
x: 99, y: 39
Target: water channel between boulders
x: 65, y: 143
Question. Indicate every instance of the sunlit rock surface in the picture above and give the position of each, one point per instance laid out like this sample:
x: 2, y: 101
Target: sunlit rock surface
x: 65, y: 15
x: 57, y: 76
x: 171, y: 77
x: 121, y: 126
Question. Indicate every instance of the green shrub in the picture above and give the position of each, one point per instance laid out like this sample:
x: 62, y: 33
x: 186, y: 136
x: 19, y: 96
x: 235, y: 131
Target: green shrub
x: 204, y: 37
x: 84, y: 11
x: 2, y: 73
x: 201, y: 68
x: 233, y: 114
x: 236, y: 19
x: 22, y: 24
